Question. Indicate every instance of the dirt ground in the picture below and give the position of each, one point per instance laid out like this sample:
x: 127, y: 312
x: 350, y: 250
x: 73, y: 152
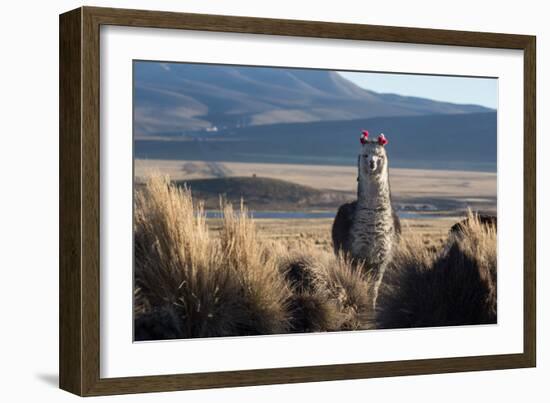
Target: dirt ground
x: 317, y: 231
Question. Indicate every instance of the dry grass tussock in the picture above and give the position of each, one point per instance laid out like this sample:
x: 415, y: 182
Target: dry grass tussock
x: 191, y: 282
x: 455, y: 286
x: 328, y: 292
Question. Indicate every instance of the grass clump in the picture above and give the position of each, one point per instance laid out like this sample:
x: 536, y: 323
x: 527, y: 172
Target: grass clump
x: 264, y: 291
x: 200, y: 285
x: 329, y: 292
x: 456, y: 286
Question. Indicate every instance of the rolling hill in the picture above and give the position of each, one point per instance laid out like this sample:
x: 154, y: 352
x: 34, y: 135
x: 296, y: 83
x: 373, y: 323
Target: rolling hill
x: 456, y: 141
x: 175, y: 98
x: 262, y: 193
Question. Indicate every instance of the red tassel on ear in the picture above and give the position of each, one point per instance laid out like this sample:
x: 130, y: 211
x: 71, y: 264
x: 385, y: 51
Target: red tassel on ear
x: 364, y: 136
x: 382, y: 140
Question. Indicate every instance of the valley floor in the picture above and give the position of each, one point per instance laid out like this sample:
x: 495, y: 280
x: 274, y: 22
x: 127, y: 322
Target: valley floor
x: 317, y: 232
x: 445, y: 194
x: 411, y: 188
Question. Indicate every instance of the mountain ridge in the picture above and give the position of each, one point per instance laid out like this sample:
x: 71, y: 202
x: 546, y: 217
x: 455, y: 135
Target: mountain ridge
x: 456, y: 141
x: 184, y: 97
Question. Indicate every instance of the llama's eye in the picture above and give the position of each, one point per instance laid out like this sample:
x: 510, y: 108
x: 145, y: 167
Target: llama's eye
x: 365, y: 156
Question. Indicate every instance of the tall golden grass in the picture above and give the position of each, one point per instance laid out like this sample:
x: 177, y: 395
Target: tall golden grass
x: 191, y: 283
x: 455, y: 286
x: 222, y: 286
x: 328, y: 292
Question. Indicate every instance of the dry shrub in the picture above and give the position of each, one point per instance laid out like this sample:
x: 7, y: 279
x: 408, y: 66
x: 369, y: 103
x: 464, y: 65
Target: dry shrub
x: 311, y: 307
x: 329, y: 292
x: 265, y: 292
x: 457, y: 287
x: 192, y: 285
x: 352, y: 289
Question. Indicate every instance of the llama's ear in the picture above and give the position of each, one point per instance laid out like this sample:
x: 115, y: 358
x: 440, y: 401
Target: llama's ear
x: 382, y: 140
x: 364, y: 136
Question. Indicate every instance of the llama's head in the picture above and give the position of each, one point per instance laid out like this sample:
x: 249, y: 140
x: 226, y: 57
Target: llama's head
x: 372, y: 157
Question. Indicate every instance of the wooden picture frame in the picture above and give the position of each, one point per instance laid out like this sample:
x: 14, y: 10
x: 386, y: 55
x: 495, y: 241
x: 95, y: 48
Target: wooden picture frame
x: 80, y: 199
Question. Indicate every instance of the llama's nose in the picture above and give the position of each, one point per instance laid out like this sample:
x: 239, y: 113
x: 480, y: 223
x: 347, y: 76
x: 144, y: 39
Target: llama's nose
x: 372, y: 165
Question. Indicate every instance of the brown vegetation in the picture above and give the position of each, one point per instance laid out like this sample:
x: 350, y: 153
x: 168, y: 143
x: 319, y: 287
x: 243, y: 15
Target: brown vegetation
x: 191, y: 281
x: 458, y: 286
x: 191, y: 284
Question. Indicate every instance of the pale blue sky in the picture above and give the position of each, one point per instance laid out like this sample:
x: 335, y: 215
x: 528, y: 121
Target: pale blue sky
x: 461, y: 90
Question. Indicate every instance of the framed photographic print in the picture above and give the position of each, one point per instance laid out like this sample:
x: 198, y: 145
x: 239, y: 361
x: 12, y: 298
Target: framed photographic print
x: 249, y: 201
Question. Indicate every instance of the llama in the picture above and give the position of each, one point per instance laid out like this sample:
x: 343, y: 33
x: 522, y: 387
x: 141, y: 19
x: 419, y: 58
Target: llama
x: 366, y: 229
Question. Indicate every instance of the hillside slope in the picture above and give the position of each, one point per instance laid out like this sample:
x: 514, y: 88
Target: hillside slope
x: 463, y: 142
x: 262, y: 193
x: 175, y: 98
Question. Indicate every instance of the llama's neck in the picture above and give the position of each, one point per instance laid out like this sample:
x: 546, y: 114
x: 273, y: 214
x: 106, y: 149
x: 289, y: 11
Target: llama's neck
x: 373, y: 192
